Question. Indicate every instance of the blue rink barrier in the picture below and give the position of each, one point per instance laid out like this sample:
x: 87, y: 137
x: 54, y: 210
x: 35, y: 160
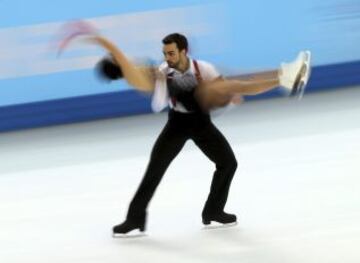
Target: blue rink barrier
x: 130, y: 102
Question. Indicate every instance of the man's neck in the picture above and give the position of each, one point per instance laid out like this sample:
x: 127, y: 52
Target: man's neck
x: 184, y: 66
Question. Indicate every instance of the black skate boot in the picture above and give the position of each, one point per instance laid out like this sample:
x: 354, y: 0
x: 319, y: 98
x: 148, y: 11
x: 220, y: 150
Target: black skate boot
x: 129, y: 225
x: 222, y: 218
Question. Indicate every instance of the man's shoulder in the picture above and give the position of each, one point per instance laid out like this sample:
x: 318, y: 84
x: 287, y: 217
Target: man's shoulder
x: 204, y: 65
x: 203, y: 62
x: 207, y: 70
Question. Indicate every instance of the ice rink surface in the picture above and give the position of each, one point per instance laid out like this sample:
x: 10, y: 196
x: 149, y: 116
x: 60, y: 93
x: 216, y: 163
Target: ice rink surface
x: 296, y: 191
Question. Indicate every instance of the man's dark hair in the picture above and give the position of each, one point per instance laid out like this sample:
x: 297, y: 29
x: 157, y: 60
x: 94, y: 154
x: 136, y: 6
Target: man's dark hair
x: 179, y: 39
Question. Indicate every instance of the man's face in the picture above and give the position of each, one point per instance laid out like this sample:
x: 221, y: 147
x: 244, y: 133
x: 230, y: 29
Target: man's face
x: 172, y: 55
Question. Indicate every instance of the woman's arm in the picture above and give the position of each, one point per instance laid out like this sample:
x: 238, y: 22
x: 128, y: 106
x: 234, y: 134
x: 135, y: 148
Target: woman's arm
x: 141, y: 78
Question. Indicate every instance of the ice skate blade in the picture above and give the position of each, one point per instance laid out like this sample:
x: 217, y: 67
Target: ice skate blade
x: 129, y: 235
x: 302, y: 78
x: 219, y: 226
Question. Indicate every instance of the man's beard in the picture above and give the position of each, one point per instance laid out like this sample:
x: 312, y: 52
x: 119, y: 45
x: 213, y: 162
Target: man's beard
x: 173, y: 65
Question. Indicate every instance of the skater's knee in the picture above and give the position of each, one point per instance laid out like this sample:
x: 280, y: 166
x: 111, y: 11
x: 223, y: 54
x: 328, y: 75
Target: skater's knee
x: 230, y: 165
x: 233, y: 165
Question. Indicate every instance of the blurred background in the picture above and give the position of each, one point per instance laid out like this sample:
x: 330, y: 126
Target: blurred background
x: 73, y: 149
x: 38, y: 88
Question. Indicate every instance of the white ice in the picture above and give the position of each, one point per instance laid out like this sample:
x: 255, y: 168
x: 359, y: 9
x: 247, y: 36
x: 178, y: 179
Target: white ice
x: 296, y: 191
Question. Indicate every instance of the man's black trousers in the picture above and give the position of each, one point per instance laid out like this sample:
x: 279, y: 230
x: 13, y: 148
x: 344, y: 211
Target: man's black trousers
x: 179, y: 128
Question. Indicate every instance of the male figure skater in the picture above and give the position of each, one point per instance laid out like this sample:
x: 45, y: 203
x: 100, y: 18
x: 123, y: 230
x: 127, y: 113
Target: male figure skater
x: 179, y: 84
x: 192, y: 88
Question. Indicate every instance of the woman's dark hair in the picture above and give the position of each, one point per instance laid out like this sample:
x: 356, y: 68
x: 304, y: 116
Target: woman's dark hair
x: 108, y: 69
